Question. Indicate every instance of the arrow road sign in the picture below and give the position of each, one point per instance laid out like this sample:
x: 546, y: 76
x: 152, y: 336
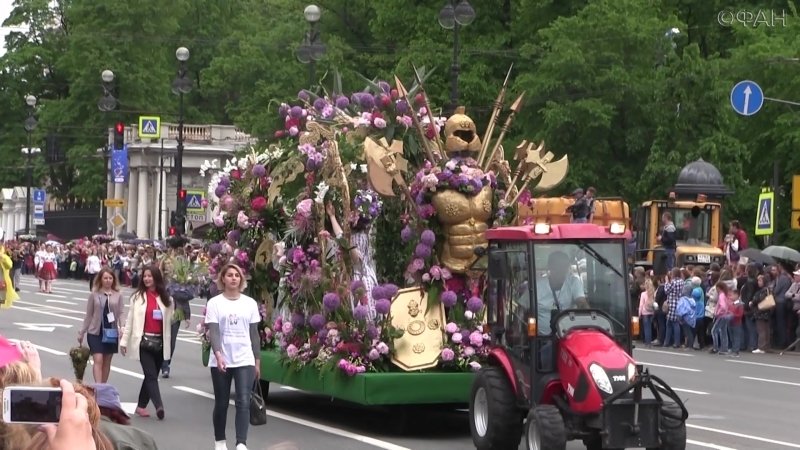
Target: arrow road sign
x: 50, y: 327
x: 747, y: 98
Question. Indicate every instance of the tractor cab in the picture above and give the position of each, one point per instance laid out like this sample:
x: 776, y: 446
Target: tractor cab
x: 559, y: 316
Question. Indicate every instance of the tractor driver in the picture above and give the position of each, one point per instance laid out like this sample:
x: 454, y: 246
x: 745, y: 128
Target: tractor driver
x: 558, y: 290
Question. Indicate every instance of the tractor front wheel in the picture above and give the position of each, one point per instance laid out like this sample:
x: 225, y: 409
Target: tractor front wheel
x: 495, y: 421
x: 673, y: 429
x: 545, y: 429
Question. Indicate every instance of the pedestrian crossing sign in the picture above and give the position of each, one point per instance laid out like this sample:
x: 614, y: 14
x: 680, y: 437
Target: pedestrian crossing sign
x: 765, y: 214
x: 149, y: 127
x: 194, y: 201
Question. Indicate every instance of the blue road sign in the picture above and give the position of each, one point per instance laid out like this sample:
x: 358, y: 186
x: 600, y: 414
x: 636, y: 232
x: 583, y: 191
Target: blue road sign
x: 194, y: 201
x: 747, y: 98
x: 765, y: 213
x: 39, y: 196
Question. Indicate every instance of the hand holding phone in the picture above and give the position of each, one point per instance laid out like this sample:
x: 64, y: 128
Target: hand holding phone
x: 31, y: 404
x: 75, y: 430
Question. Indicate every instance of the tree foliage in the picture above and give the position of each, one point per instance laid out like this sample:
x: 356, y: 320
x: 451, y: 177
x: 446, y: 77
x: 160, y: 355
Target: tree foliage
x: 604, y: 82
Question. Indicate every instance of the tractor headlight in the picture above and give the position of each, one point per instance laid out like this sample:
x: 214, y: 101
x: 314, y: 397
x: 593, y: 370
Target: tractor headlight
x: 631, y: 372
x: 601, y: 378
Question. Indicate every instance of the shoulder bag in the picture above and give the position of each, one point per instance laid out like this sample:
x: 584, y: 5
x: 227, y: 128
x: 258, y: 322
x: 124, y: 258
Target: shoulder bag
x: 768, y: 303
x: 110, y: 334
x: 258, y: 409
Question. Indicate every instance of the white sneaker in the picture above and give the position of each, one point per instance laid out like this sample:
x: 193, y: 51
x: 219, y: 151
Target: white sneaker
x: 220, y: 445
x: 241, y: 447
x: 758, y: 351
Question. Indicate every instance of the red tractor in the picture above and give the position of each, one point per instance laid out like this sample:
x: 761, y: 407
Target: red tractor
x: 561, y: 326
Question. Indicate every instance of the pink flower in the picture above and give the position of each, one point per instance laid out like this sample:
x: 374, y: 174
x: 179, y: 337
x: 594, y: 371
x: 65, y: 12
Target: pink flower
x: 475, y: 366
x: 451, y: 328
x: 219, y: 220
x: 204, y: 203
x: 447, y: 354
x: 468, y: 351
x: 242, y: 220
x: 379, y: 123
x: 291, y: 351
x: 476, y: 339
x: 426, y: 278
x: 374, y: 354
x: 287, y: 327
x: 293, y: 131
x: 304, y: 208
x: 405, y: 121
x: 457, y: 338
x: 436, y: 272
x: 258, y: 203
x: 382, y: 348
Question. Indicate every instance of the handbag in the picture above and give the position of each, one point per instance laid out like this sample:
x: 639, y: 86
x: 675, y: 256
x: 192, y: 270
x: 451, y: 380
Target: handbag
x: 110, y: 334
x: 768, y: 302
x: 152, y: 344
x: 258, y: 410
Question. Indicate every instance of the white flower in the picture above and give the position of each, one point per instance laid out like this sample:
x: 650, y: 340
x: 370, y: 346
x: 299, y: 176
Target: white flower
x: 353, y: 166
x: 322, y: 189
x: 363, y: 168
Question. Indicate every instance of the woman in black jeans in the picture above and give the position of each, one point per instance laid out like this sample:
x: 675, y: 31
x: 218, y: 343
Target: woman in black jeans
x: 232, y: 319
x: 147, y: 334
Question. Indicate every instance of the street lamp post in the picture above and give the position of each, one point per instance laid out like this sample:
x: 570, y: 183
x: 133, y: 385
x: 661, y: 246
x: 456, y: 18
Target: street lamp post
x: 453, y: 16
x: 312, y: 49
x: 30, y: 125
x: 106, y: 103
x: 180, y: 86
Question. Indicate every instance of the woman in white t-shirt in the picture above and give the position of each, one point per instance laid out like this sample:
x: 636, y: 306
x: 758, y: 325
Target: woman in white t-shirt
x: 232, y: 319
x: 93, y: 266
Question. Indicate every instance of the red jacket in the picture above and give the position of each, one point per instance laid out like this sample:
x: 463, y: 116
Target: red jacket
x: 741, y: 236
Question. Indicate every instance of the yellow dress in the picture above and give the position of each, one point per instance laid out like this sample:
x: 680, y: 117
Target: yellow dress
x: 9, y: 295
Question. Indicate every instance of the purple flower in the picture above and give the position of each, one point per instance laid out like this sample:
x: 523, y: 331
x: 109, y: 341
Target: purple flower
x: 214, y: 249
x: 366, y: 101
x: 476, y: 339
x: 259, y: 170
x: 474, y: 304
x: 331, y: 301
x: 422, y: 251
x: 390, y: 290
x: 401, y: 106
x: 428, y: 238
x: 451, y: 328
x: 322, y: 334
x: 449, y: 299
x: 372, y: 331
x: 356, y: 285
x: 373, y: 355
x: 405, y: 235
x: 220, y: 190
x: 360, y: 312
x: 283, y: 110
x: 296, y: 112
x: 234, y: 236
x: 286, y: 328
x: 379, y: 292
x: 385, y: 87
x: 317, y: 321
x: 320, y: 104
x: 468, y: 351
x: 383, y: 306
x: 298, y: 319
x: 342, y: 102
x: 303, y: 95
x: 447, y: 354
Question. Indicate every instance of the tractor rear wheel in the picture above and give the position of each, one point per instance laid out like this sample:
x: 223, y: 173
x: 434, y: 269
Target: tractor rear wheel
x: 495, y: 421
x: 673, y: 429
x: 545, y: 429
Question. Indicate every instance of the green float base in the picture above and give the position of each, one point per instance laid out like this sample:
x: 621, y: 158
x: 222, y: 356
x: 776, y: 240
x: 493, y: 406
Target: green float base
x: 373, y: 389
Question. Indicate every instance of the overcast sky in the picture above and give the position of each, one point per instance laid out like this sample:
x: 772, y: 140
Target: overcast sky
x: 5, y: 10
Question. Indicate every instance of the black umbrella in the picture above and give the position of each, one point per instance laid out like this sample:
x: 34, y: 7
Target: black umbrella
x: 126, y: 236
x: 783, y: 253
x: 757, y: 256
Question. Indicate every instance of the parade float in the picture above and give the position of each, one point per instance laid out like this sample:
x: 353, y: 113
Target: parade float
x: 360, y: 225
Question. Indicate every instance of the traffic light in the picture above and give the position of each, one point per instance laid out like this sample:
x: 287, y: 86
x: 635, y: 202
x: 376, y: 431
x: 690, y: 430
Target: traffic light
x: 182, y: 195
x: 119, y: 136
x: 173, y: 231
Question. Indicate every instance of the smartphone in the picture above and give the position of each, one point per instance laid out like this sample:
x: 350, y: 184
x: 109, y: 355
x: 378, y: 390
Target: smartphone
x: 31, y: 404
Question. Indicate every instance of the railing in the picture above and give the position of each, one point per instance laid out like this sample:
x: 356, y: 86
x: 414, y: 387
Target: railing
x: 205, y: 134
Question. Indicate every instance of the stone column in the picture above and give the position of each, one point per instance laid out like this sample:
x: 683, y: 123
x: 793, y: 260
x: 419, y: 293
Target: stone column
x: 160, y: 189
x: 133, y: 198
x: 143, y: 207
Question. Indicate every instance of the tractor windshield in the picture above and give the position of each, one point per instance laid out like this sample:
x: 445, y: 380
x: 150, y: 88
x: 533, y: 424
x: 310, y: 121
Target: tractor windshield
x: 580, y: 274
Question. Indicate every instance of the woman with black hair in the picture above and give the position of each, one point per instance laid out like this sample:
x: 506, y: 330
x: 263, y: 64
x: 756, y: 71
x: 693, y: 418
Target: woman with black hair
x: 148, y: 332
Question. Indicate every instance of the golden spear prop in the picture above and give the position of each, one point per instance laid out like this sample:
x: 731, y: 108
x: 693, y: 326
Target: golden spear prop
x: 524, y: 164
x: 437, y: 141
x: 402, y: 92
x: 515, y: 108
x: 498, y: 106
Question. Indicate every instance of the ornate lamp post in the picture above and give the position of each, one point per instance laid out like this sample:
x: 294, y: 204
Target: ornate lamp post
x: 30, y: 125
x: 312, y: 49
x: 106, y: 103
x: 453, y: 16
x: 180, y: 86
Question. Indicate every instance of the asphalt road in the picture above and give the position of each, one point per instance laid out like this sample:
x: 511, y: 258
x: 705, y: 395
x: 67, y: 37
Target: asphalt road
x: 752, y: 402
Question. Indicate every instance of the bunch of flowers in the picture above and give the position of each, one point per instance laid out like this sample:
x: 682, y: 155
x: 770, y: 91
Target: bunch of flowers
x: 367, y: 207
x: 303, y: 271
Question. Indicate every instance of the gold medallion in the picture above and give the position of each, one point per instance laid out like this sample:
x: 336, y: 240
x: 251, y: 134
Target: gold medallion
x: 418, y: 348
x: 433, y: 324
x: 413, y: 308
x: 416, y: 328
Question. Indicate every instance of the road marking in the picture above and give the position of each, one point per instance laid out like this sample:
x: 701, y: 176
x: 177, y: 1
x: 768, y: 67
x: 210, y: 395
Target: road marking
x: 307, y: 423
x: 129, y: 407
x: 40, y: 326
x: 745, y: 436
x: 65, y: 302
x: 707, y: 445
x: 664, y: 366
x: 637, y: 349
x: 689, y: 391
x: 43, y: 349
x: 766, y: 380
x: 762, y: 364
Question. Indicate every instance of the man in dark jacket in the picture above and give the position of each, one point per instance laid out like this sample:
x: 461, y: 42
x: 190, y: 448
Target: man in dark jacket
x: 667, y: 239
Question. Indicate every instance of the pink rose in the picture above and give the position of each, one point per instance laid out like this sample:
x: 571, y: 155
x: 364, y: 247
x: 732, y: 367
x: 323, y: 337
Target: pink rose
x: 304, y: 208
x: 242, y: 220
x: 258, y: 203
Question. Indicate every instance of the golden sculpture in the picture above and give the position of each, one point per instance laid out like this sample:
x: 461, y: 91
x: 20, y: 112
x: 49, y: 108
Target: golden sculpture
x: 421, y: 343
x: 461, y: 134
x: 464, y: 219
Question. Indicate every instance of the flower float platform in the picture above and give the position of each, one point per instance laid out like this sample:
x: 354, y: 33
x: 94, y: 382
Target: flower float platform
x: 355, y: 197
